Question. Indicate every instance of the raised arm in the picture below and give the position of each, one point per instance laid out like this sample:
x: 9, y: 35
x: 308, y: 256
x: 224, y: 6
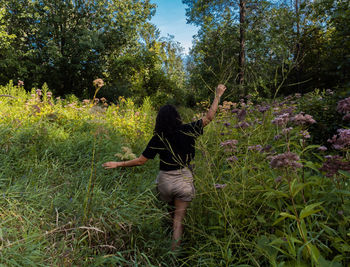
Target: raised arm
x: 214, y: 106
x: 130, y: 163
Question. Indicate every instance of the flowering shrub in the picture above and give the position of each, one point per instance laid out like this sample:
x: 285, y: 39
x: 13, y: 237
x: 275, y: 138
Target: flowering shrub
x: 260, y: 200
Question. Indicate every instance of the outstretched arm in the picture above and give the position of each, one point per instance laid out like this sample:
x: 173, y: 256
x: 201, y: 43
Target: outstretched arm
x: 214, y: 106
x: 134, y: 162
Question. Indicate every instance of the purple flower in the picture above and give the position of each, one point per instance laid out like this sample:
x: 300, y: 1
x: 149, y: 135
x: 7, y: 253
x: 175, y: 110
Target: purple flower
x: 301, y: 119
x: 242, y: 125
x: 322, y: 148
x: 341, y: 141
x: 344, y: 105
x: 281, y: 120
x: 305, y: 134
x: 227, y: 124
x: 241, y: 114
x: 340, y: 212
x: 256, y: 148
x: 266, y: 148
x: 333, y: 164
x: 276, y: 137
x: 329, y: 92
x: 220, y: 186
x: 232, y: 159
x: 263, y: 109
x: 288, y: 110
x: 231, y: 142
x: 285, y: 160
x: 347, y: 117
x: 287, y: 130
x: 38, y: 92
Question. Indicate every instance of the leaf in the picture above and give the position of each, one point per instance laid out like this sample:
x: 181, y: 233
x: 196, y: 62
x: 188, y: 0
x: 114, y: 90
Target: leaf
x: 311, y: 165
x: 310, y: 147
x: 298, y: 188
x: 310, y: 209
x: 315, y: 253
x: 286, y: 214
x: 345, y: 173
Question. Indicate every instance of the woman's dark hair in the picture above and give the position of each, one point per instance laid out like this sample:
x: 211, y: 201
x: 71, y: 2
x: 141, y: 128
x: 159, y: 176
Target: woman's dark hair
x: 168, y: 120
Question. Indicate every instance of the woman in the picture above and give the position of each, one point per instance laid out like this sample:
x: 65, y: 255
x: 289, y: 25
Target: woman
x: 174, y: 142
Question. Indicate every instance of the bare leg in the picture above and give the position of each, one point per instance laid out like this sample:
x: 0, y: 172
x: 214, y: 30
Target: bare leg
x: 180, y: 211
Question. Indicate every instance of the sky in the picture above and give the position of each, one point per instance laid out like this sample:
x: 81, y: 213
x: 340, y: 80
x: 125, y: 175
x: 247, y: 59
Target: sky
x: 170, y: 18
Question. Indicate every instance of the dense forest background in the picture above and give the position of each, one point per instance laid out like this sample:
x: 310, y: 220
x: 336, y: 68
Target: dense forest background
x: 263, y: 48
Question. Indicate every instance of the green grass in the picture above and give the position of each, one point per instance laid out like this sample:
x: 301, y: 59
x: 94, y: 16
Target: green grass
x: 59, y: 207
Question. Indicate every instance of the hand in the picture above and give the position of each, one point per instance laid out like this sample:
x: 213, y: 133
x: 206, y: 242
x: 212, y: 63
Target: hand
x: 220, y: 90
x: 111, y: 165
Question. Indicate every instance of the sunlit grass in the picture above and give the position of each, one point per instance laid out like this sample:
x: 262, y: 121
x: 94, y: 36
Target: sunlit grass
x: 50, y: 149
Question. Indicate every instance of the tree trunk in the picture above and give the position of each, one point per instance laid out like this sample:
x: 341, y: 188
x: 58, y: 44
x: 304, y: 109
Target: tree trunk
x: 241, y: 60
x: 297, y: 45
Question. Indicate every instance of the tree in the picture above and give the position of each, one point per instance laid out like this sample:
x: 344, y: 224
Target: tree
x: 68, y: 43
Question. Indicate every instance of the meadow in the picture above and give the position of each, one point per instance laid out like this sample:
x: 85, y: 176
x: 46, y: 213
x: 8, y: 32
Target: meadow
x: 268, y: 192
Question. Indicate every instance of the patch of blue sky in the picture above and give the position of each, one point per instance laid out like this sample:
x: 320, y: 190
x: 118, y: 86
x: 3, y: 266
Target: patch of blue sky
x: 170, y: 19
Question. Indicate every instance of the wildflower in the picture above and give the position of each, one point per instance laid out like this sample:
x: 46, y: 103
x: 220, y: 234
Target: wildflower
x: 98, y: 83
x: 103, y: 99
x: 344, y: 105
x: 287, y: 98
x: 86, y: 101
x: 301, y: 119
x: 266, y: 148
x: 329, y: 92
x: 297, y: 95
x: 241, y: 115
x: 38, y: 92
x: 281, y: 120
x: 342, y: 140
x: 322, y: 148
x: 20, y: 83
x: 287, y: 130
x: 235, y: 110
x: 227, y: 124
x: 231, y: 142
x: 263, y: 109
x: 278, y: 179
x: 49, y: 95
x: 347, y: 117
x: 242, y: 125
x: 288, y: 110
x: 305, y: 134
x: 276, y: 137
x: 96, y: 100
x: 256, y: 147
x: 340, y: 212
x: 285, y: 160
x: 333, y: 164
x: 232, y: 159
x: 220, y: 186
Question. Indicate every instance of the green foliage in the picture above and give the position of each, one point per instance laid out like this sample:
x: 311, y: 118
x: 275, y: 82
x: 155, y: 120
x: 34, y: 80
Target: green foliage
x: 60, y: 207
x: 322, y: 106
x: 68, y: 43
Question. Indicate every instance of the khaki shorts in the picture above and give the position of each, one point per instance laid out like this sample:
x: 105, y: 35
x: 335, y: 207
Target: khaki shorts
x: 175, y: 184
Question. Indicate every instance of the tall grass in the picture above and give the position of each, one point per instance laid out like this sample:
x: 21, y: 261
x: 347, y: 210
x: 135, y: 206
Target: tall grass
x: 51, y: 151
